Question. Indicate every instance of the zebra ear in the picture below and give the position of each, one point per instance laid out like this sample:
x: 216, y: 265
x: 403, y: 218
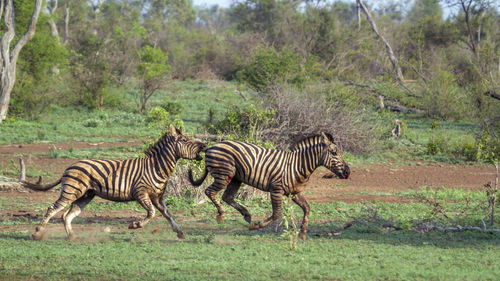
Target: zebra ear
x: 172, y: 130
x: 179, y: 131
x: 326, y: 138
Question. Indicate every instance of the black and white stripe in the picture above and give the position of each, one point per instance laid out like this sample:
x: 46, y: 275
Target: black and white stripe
x: 232, y: 163
x: 141, y: 179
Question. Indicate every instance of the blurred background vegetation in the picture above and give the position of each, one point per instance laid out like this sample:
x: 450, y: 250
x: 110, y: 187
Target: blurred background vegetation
x: 266, y: 71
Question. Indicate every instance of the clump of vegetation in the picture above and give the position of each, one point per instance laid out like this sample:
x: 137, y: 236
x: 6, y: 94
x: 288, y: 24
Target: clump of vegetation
x: 269, y: 67
x: 242, y: 123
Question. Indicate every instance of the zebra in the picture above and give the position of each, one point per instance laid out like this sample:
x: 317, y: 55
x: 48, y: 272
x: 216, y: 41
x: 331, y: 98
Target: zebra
x: 141, y: 179
x: 279, y: 172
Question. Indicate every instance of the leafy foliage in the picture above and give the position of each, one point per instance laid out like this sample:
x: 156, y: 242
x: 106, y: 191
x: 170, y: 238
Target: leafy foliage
x: 269, y: 67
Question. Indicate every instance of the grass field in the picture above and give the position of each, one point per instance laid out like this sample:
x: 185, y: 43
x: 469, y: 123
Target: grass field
x: 367, y: 250
x: 353, y: 240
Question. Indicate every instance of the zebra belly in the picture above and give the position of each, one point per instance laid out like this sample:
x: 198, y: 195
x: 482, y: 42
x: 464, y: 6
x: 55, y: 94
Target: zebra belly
x: 117, y: 196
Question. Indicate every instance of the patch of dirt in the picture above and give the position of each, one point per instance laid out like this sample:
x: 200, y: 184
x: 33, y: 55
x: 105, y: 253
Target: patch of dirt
x: 37, y: 156
x: 387, y: 179
x: 43, y: 148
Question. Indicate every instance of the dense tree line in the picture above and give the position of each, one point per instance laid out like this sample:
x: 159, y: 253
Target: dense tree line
x: 89, y: 52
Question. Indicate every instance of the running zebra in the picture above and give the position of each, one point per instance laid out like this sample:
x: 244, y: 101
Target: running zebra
x: 141, y: 179
x: 232, y: 163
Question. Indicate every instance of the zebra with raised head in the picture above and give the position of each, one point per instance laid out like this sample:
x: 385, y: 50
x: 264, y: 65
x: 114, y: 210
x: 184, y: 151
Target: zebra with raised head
x: 232, y: 163
x: 141, y: 179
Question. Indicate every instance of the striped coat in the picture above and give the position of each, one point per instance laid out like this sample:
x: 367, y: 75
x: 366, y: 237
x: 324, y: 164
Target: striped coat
x: 232, y: 163
x: 141, y: 179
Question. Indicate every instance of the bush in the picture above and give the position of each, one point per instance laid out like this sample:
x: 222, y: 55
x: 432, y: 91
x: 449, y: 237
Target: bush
x: 443, y: 97
x: 432, y: 148
x: 469, y: 151
x: 158, y: 117
x: 269, y: 67
x: 242, y: 123
x: 173, y: 108
x: 314, y: 109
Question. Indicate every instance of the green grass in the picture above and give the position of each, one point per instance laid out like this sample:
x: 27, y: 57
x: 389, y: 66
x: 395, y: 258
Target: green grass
x: 72, y: 124
x: 240, y: 254
x: 198, y: 97
x: 115, y: 152
x: 365, y: 251
x: 60, y: 124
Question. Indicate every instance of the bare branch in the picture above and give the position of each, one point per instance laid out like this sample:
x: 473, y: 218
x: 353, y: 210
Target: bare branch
x: 390, y: 53
x: 30, y: 32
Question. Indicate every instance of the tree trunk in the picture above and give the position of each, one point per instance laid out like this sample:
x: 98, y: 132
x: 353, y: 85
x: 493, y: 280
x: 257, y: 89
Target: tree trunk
x: 390, y: 53
x: 358, y: 11
x: 66, y: 24
x: 9, y: 56
x: 49, y: 11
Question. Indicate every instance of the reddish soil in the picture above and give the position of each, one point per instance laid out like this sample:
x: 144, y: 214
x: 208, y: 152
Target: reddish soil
x: 44, y: 148
x: 387, y: 178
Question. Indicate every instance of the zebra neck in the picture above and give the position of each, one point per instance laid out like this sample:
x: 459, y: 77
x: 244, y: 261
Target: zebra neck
x: 306, y: 161
x: 163, y: 160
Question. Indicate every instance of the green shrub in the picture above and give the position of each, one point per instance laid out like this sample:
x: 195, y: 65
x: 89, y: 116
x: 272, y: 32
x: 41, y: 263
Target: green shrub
x: 432, y: 148
x: 444, y: 98
x: 92, y: 123
x: 469, y: 151
x: 158, y: 117
x: 242, y: 123
x: 441, y: 143
x: 173, y: 108
x: 268, y: 67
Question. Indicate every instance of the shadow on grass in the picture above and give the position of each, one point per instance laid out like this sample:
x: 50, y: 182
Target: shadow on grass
x: 374, y: 234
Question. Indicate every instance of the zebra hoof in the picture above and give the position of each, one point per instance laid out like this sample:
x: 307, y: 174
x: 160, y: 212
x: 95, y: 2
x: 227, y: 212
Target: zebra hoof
x: 220, y: 218
x: 303, y: 235
x: 180, y: 235
x: 135, y: 225
x: 248, y: 218
x: 254, y: 226
x: 73, y: 238
x: 38, y: 236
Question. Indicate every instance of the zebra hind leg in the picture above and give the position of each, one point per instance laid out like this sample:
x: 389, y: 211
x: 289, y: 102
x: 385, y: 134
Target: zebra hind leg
x: 219, y: 183
x: 75, y: 210
x: 143, y: 199
x: 276, y: 195
x: 228, y: 197
x: 60, y: 204
x: 160, y: 205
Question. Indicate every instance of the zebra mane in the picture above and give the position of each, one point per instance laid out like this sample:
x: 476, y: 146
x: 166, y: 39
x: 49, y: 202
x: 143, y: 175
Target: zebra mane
x: 154, y: 147
x: 305, y: 142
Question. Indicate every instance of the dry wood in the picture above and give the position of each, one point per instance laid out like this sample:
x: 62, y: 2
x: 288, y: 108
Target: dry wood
x: 22, y: 177
x: 390, y: 53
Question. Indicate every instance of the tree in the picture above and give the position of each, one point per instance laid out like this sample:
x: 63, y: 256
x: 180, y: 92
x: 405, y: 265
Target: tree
x: 41, y: 77
x: 388, y: 48
x: 151, y: 72
x: 9, y: 52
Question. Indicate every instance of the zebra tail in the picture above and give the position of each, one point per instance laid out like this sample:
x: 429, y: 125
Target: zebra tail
x: 199, y: 181
x: 38, y: 186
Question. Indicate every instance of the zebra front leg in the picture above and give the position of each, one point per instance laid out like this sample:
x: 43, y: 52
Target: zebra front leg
x: 143, y: 198
x: 228, y: 197
x: 160, y: 205
x: 276, y: 197
x: 300, y: 200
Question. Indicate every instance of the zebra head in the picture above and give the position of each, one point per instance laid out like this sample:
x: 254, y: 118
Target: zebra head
x: 332, y: 158
x: 185, y: 147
